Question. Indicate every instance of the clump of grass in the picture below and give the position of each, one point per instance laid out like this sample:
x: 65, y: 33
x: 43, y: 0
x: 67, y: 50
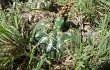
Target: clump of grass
x: 90, y: 53
x: 12, y: 41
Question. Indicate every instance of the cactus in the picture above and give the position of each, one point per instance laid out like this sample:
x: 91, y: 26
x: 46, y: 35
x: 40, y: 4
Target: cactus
x: 50, y: 38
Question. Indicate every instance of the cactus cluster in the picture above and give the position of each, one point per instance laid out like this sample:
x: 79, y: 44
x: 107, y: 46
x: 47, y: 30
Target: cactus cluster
x: 50, y: 37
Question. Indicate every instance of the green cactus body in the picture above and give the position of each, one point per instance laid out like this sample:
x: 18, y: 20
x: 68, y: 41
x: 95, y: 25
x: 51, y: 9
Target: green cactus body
x: 52, y: 42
